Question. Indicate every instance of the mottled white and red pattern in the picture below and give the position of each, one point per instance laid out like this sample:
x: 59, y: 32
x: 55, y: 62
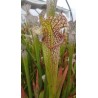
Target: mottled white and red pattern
x: 54, y: 24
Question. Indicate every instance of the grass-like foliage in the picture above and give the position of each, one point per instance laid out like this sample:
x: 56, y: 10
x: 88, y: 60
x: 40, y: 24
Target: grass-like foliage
x: 48, y: 63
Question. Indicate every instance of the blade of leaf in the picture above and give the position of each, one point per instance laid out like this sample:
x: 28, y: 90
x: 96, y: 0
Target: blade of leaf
x: 23, y: 94
x: 70, y: 50
x: 37, y: 51
x: 25, y: 63
x: 61, y: 79
x: 41, y: 94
